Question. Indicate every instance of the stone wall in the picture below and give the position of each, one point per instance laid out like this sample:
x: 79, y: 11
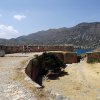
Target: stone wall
x: 70, y: 58
x: 17, y: 49
x: 32, y: 71
x: 67, y: 57
x: 93, y: 57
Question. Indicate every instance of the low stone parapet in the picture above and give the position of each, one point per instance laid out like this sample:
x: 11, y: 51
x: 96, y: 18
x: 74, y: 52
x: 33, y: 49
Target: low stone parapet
x: 93, y: 57
x: 35, y: 48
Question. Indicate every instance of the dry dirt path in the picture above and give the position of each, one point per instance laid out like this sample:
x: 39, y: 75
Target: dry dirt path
x: 81, y: 83
x: 12, y: 83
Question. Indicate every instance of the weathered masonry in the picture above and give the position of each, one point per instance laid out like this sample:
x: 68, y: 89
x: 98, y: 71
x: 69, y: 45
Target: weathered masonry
x: 35, y: 48
x: 93, y: 57
x: 68, y: 57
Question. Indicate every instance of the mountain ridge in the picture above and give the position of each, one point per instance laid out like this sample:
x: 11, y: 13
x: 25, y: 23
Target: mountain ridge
x: 83, y: 35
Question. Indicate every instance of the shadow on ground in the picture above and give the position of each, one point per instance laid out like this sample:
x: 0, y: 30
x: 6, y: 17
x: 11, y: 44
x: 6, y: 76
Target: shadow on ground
x: 56, y: 76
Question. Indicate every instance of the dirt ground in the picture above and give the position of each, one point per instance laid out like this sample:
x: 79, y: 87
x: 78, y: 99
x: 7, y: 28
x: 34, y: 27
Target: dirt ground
x: 81, y: 82
x: 13, y: 85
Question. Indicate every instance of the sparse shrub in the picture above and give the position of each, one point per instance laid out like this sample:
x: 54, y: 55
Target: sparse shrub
x: 46, y: 64
x: 93, y: 61
x: 49, y: 61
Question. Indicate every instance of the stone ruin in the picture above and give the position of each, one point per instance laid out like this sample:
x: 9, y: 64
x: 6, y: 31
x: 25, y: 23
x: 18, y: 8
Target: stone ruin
x: 93, y: 57
x: 63, y: 52
x: 35, y: 48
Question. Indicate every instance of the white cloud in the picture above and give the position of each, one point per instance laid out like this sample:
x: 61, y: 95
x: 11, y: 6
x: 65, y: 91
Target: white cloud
x: 19, y: 17
x: 8, y: 32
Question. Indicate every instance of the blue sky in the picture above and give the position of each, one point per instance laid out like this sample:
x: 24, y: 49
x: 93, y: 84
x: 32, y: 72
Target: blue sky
x: 21, y: 17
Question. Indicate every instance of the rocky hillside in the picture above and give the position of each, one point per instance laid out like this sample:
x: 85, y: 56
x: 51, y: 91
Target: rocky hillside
x: 85, y: 35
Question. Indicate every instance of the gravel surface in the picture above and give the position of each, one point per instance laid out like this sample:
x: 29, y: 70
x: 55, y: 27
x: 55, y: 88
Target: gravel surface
x: 11, y: 86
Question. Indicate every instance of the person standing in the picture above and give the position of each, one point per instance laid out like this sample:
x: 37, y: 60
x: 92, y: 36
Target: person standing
x: 23, y: 49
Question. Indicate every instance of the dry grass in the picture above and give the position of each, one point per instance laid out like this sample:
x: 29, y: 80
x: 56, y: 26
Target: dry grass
x: 82, y: 83
x: 20, y: 75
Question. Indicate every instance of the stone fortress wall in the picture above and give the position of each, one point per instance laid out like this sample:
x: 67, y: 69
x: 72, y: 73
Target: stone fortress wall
x: 18, y: 49
x: 69, y: 55
x: 64, y: 52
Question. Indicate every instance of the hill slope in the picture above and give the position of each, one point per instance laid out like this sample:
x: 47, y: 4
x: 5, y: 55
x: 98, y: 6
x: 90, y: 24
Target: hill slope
x: 82, y: 35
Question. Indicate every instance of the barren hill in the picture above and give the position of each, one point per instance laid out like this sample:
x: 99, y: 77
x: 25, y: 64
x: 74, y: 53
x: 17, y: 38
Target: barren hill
x: 85, y: 35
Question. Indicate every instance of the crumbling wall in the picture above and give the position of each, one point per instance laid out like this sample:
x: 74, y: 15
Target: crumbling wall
x: 93, y: 57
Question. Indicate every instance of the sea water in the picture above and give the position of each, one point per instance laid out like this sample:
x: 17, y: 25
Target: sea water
x: 82, y: 51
